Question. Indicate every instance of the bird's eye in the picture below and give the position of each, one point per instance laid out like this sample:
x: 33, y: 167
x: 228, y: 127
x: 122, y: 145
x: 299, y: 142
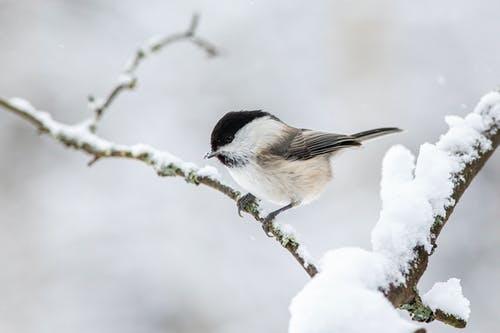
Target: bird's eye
x: 229, y: 138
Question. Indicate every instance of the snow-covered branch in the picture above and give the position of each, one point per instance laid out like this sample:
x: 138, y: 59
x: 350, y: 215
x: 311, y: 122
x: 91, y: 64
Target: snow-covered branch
x: 359, y: 289
x: 356, y: 290
x: 128, y: 79
x: 81, y: 137
x: 418, y: 199
x: 442, y: 174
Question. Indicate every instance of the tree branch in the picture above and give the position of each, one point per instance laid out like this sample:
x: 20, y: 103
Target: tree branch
x: 127, y: 79
x: 406, y: 295
x: 414, y: 193
x: 422, y: 313
x: 82, y: 138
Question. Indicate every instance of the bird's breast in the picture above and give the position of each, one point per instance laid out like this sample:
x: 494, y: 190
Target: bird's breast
x: 282, y: 182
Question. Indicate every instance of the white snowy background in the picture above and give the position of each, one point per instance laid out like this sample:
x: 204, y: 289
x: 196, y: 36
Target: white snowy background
x: 114, y: 248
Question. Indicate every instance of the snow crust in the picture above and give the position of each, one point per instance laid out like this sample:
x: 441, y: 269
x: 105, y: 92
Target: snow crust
x: 304, y: 253
x: 22, y: 104
x: 346, y: 295
x: 414, y: 194
x: 343, y: 297
x: 125, y: 79
x: 447, y: 296
x: 210, y: 172
x: 290, y: 234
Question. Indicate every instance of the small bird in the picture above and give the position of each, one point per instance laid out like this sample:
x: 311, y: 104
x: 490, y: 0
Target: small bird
x: 276, y: 162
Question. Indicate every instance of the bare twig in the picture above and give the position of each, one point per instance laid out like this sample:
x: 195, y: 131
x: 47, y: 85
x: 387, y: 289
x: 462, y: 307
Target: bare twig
x: 127, y: 79
x: 93, y: 160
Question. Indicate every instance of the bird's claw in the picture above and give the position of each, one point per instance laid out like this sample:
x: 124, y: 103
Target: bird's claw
x: 248, y: 202
x: 267, y: 225
x: 244, y: 202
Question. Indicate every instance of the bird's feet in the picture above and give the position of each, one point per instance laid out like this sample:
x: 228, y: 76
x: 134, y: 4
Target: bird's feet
x: 246, y: 203
x: 267, y: 224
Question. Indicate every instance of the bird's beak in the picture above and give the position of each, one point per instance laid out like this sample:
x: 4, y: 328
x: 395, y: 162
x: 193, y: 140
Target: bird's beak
x: 211, y: 154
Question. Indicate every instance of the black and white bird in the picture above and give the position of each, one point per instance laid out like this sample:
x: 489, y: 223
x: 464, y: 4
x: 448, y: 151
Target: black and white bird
x: 276, y: 162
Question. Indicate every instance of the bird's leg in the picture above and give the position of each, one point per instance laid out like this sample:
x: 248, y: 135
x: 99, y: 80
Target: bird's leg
x: 244, y: 202
x: 267, y: 222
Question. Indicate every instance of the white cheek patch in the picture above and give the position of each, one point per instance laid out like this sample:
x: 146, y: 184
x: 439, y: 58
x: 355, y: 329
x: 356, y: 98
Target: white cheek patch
x: 254, y: 136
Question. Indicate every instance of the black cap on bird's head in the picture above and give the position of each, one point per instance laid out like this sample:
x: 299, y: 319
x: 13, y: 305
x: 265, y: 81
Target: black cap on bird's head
x: 227, y: 127
x: 225, y: 130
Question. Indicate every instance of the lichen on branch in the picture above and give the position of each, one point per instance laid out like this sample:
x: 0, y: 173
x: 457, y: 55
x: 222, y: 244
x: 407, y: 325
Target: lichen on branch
x: 418, y: 198
x: 82, y: 138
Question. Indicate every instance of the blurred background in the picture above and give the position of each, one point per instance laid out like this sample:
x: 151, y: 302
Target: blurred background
x: 114, y: 248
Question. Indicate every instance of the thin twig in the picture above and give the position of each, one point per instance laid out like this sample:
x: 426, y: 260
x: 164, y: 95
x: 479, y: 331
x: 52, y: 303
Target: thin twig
x: 127, y: 80
x: 93, y: 160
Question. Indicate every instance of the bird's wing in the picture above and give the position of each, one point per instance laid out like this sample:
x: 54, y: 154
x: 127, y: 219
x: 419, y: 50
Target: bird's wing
x: 306, y: 144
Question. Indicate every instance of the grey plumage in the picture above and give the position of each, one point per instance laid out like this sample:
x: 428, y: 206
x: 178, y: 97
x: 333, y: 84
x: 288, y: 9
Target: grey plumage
x: 375, y: 133
x: 277, y: 162
x: 303, y: 144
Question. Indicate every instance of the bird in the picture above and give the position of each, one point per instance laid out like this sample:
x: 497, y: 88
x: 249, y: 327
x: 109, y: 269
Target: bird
x: 276, y: 162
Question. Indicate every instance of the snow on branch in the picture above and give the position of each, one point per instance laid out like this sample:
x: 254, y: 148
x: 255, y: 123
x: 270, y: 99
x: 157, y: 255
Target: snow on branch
x: 447, y: 298
x: 128, y: 79
x: 358, y: 290
x: 417, y: 201
x: 442, y: 174
x: 81, y: 137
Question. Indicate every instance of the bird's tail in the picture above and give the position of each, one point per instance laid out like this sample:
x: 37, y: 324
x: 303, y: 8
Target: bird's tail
x: 375, y: 133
